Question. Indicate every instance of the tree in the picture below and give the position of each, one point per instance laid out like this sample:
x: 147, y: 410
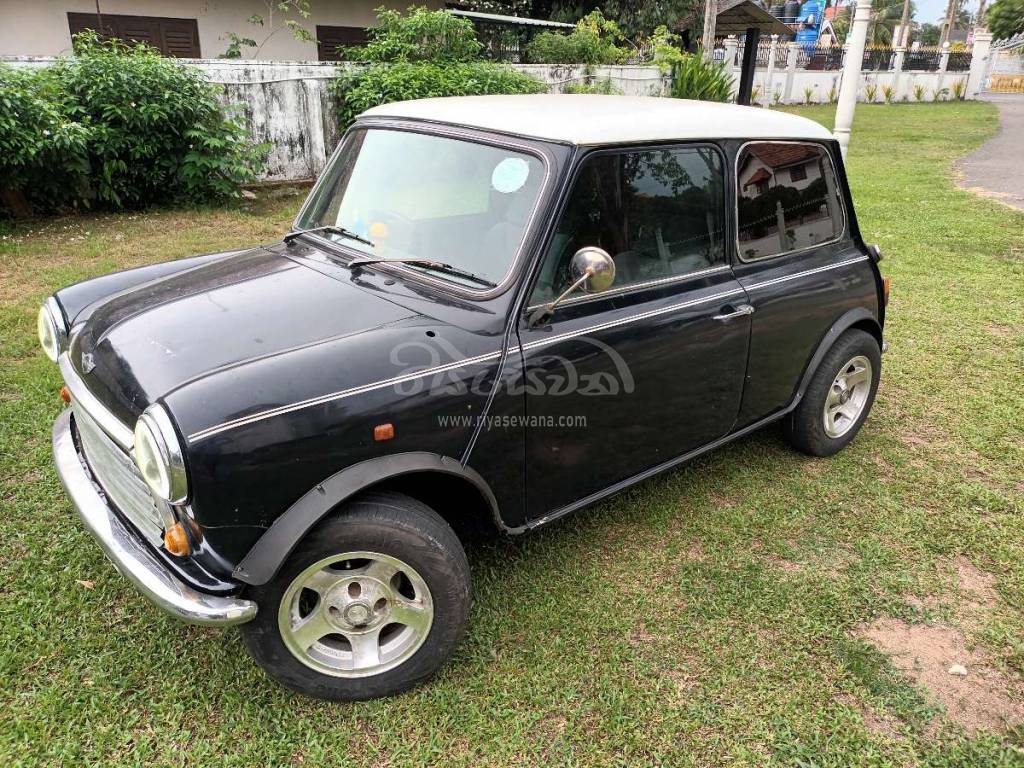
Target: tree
x: 885, y: 15
x: 636, y: 18
x: 928, y: 34
x: 273, y: 22
x: 1005, y: 18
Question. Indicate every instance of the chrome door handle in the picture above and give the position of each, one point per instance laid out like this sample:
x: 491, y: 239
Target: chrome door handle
x: 742, y: 309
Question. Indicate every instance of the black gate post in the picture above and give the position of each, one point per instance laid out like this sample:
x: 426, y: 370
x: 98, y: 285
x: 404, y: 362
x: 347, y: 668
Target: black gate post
x: 749, y: 62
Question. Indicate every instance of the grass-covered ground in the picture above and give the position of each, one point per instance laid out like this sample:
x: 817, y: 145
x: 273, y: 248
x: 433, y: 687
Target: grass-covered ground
x: 739, y: 611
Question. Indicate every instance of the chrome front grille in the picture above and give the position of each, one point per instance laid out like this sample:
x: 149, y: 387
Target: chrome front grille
x: 119, y: 478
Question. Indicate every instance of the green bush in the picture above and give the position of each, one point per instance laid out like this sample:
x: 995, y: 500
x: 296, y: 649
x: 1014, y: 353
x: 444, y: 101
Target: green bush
x: 420, y: 55
x: 604, y: 87
x: 1005, y: 18
x: 42, y: 154
x: 694, y: 77
x: 594, y: 41
x: 401, y: 81
x: 418, y: 35
x: 127, y: 128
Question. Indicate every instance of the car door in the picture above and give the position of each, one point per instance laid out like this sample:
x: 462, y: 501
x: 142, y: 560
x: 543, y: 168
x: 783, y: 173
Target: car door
x: 797, y: 261
x: 626, y: 380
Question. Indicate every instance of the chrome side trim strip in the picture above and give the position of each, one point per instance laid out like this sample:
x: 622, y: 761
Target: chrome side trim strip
x: 805, y: 273
x: 631, y: 318
x: 638, y: 286
x: 108, y: 422
x: 341, y: 394
x: 129, y: 554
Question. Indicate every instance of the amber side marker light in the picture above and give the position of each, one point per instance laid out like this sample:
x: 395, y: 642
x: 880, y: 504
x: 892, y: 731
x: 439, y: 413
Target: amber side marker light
x: 65, y: 395
x: 383, y: 432
x: 885, y: 291
x: 176, y: 541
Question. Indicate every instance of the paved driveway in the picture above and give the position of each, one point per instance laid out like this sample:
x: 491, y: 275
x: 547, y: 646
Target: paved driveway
x: 996, y: 168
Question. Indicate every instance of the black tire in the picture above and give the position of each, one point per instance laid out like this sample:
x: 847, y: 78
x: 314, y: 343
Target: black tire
x: 391, y: 524
x: 804, y: 428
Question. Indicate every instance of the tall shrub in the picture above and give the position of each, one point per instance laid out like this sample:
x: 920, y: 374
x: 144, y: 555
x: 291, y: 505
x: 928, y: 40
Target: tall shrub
x: 118, y: 127
x: 157, y: 130
x: 43, y: 154
x: 421, y: 54
x: 694, y: 77
x: 594, y: 41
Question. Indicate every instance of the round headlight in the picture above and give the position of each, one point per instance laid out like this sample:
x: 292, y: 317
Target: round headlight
x: 159, y: 456
x: 49, y: 331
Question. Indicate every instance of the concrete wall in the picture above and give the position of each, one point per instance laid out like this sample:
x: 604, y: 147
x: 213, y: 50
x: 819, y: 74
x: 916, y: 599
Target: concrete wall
x: 287, y: 104
x: 632, y: 80
x: 40, y: 28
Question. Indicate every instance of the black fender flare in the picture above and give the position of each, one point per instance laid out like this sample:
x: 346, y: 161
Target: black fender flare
x: 273, y: 547
x: 845, y: 322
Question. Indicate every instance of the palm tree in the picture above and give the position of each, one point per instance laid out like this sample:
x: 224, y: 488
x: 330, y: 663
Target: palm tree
x: 885, y: 15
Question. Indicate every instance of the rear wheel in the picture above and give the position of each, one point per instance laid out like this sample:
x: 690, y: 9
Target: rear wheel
x: 838, y: 397
x: 371, y: 603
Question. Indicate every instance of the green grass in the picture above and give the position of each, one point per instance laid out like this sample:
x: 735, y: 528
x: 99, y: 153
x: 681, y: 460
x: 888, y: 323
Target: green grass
x: 702, y: 618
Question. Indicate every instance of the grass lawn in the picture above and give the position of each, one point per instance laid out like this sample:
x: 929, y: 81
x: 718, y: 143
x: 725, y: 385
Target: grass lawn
x: 738, y: 611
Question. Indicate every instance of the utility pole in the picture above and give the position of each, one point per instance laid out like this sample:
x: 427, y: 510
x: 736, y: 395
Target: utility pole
x: 708, y: 38
x: 850, y: 83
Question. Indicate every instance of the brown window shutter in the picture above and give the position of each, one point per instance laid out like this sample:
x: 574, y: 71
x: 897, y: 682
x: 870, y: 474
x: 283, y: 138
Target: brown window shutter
x: 172, y: 37
x: 330, y: 39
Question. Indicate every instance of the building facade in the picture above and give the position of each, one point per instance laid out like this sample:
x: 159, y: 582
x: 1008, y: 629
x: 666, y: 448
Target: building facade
x: 188, y: 28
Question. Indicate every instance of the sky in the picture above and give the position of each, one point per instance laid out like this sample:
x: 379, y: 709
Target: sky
x: 931, y: 11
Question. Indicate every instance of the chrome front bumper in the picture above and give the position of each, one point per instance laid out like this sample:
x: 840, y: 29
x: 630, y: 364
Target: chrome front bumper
x: 129, y: 553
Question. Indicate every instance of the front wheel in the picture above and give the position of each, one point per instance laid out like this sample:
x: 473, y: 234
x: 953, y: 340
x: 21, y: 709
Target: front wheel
x: 838, y: 397
x: 372, y: 602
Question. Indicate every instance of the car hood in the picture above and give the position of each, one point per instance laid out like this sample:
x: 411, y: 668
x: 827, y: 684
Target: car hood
x: 143, y: 343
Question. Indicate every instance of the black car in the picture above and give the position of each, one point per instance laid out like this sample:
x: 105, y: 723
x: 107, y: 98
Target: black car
x: 491, y: 312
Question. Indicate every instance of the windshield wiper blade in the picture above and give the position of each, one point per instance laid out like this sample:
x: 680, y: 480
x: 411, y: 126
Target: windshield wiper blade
x: 338, y: 230
x: 438, y: 266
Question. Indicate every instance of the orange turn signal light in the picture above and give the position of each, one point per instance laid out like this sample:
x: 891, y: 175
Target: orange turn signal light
x: 65, y: 395
x: 176, y: 541
x: 885, y: 291
x: 383, y: 432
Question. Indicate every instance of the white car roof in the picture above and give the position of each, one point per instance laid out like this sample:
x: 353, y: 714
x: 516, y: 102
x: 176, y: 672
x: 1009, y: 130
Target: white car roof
x: 595, y: 119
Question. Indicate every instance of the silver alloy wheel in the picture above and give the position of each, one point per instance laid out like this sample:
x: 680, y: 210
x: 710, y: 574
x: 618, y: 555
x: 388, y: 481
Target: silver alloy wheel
x: 355, y: 614
x: 847, y: 396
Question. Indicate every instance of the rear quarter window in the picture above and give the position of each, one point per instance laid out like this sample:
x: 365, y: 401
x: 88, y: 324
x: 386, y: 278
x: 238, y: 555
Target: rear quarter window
x: 786, y: 199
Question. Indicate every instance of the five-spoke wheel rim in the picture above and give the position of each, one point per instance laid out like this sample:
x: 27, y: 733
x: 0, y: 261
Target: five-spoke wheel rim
x: 356, y: 614
x: 847, y: 396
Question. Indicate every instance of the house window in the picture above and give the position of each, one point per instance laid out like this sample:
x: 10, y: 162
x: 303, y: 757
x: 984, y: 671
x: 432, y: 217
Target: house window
x: 331, y: 41
x: 172, y: 37
x: 790, y: 215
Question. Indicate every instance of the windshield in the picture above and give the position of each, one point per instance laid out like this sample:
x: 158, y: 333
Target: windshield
x: 418, y: 196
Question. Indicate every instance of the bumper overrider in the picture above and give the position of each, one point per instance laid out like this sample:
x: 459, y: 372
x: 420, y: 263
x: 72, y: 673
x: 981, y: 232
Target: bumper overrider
x: 132, y: 556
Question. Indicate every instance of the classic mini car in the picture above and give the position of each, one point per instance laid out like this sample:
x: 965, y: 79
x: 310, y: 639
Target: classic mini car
x: 491, y: 312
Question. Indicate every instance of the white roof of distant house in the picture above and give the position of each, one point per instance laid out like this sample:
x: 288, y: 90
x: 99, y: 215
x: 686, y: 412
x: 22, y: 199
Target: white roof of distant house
x: 595, y: 119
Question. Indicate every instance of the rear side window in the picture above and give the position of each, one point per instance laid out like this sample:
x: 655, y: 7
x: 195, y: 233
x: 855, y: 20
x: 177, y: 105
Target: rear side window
x: 786, y: 199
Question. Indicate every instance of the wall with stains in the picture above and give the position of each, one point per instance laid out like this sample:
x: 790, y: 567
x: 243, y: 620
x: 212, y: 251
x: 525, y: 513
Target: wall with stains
x: 288, y: 104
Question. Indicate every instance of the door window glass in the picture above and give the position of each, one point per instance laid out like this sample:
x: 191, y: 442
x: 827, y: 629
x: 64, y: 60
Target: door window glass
x: 658, y: 213
x: 786, y: 199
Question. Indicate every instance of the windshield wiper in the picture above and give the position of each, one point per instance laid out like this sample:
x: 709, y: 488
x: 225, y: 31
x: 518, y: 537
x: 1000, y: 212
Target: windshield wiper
x: 337, y: 230
x: 438, y: 266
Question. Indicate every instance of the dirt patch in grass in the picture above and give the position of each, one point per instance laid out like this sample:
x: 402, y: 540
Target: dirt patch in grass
x: 977, y: 586
x: 876, y: 722
x: 984, y: 698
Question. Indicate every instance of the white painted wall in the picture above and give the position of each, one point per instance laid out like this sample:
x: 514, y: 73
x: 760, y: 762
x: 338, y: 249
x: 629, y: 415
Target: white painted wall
x: 40, y: 28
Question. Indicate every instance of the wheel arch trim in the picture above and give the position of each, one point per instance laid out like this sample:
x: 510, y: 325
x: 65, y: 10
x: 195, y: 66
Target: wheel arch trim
x: 854, y: 317
x: 271, y: 550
